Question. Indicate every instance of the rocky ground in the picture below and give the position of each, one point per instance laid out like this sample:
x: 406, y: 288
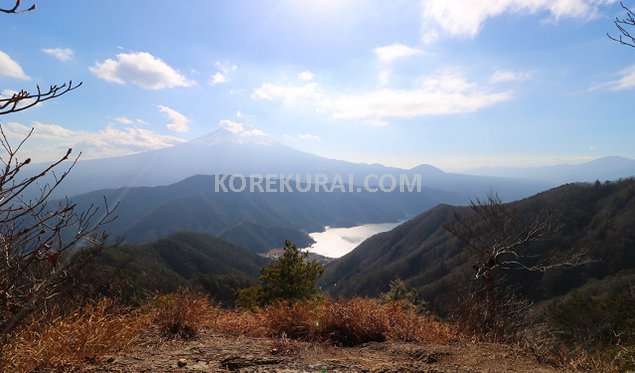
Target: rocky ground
x: 217, y: 353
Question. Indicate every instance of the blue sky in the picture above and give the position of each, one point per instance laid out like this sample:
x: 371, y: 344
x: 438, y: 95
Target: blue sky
x: 456, y: 84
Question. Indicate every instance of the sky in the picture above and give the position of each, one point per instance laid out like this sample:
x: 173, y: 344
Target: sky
x: 455, y: 84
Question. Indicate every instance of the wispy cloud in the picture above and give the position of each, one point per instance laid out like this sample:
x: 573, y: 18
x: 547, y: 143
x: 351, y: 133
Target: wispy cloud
x: 218, y: 78
x: 62, y: 54
x: 123, y: 120
x: 241, y: 129
x: 503, y: 76
x: 390, y: 53
x: 440, y: 94
x: 225, y: 69
x: 141, y: 69
x: 290, y: 94
x: 384, y: 77
x: 10, y: 68
x: 625, y: 80
x: 178, y: 121
x: 306, y: 75
x: 126, y: 121
x: 300, y: 137
x: 50, y: 141
x: 466, y: 18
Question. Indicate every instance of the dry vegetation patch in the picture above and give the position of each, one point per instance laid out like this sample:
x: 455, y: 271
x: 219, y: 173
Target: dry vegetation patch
x: 84, y: 334
x: 96, y: 331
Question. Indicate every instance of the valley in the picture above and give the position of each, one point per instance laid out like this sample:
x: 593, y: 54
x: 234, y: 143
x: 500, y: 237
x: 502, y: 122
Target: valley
x: 317, y: 186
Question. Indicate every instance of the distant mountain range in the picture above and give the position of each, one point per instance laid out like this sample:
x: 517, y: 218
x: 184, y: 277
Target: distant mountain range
x: 596, y: 219
x: 171, y: 190
x: 226, y: 152
x: 606, y: 168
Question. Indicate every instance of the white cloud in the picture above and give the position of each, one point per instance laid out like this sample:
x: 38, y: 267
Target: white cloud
x: 625, y: 81
x: 377, y: 122
x: 466, y: 18
x: 62, y: 54
x: 141, y: 69
x: 289, y: 94
x: 503, y: 76
x: 389, y: 53
x: 178, y: 121
x: 225, y: 69
x: 10, y: 68
x: 218, y: 78
x: 384, y: 77
x: 306, y: 75
x: 241, y: 129
x: 441, y: 94
x: 126, y: 121
x: 50, y: 141
x: 123, y: 120
x: 430, y: 37
x: 300, y: 137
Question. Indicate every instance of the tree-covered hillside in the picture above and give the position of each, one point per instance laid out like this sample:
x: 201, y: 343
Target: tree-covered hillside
x: 182, y: 259
x: 595, y: 220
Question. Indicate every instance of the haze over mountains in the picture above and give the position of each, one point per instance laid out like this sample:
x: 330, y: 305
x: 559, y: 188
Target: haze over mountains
x: 246, y: 150
x: 605, y: 168
x: 255, y: 220
x: 171, y: 190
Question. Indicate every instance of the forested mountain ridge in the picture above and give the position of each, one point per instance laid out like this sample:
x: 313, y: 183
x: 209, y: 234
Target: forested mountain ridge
x: 181, y: 259
x: 594, y: 219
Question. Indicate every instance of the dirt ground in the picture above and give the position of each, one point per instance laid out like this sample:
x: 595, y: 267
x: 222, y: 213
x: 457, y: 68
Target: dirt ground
x: 218, y: 353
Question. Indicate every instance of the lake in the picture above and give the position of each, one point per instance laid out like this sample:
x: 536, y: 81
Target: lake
x: 337, y: 242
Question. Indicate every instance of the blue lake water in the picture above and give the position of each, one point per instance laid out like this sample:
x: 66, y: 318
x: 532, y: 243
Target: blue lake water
x: 337, y: 242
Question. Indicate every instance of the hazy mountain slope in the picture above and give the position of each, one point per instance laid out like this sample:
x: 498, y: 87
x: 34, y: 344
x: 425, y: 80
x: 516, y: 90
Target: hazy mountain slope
x: 598, y: 218
x: 148, y: 213
x: 182, y: 258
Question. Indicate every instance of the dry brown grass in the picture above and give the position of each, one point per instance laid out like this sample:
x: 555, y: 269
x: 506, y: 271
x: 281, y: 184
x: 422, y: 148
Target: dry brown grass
x: 346, y: 323
x: 355, y: 321
x: 236, y: 322
x: 93, y: 332
x: 404, y: 324
x: 179, y: 315
x: 83, y: 334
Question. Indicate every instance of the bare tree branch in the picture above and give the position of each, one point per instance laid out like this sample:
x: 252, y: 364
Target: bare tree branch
x: 15, y: 9
x: 37, y: 240
x: 622, y: 24
x: 501, y: 239
x: 23, y: 100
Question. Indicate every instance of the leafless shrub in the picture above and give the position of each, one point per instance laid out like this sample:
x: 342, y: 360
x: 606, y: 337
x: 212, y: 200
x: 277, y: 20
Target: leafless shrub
x: 179, y: 315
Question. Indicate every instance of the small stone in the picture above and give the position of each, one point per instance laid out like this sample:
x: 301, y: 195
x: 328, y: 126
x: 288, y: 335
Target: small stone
x: 181, y: 363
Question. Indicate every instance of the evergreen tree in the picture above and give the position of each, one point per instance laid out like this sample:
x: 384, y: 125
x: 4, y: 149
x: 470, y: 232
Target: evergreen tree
x: 292, y: 277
